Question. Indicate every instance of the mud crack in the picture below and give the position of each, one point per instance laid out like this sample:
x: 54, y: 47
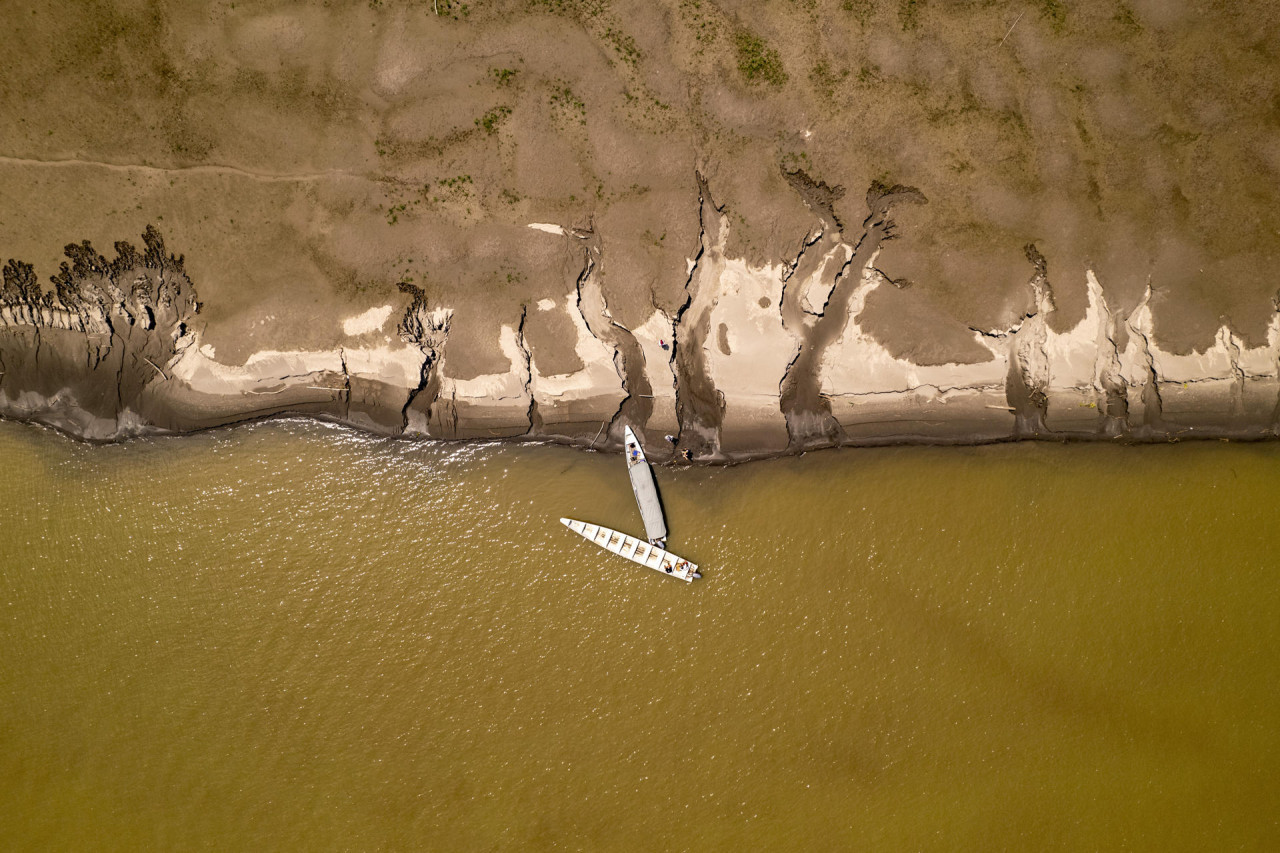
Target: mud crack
x: 1232, y: 345
x: 428, y: 330
x: 636, y: 406
x: 1108, y: 378
x: 807, y: 411
x: 699, y: 405
x: 1152, y: 402
x: 535, y: 420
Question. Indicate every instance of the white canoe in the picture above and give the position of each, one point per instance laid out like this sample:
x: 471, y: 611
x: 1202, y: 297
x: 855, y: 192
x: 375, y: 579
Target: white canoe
x: 655, y: 526
x: 635, y: 550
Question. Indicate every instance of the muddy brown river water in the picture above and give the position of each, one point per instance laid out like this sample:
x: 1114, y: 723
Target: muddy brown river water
x: 294, y: 636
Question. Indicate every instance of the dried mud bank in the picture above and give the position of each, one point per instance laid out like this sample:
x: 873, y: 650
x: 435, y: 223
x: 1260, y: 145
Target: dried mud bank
x: 548, y: 219
x: 756, y: 361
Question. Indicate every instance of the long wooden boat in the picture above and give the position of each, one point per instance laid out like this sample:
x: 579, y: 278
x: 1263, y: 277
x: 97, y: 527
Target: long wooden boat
x: 655, y: 526
x: 635, y: 550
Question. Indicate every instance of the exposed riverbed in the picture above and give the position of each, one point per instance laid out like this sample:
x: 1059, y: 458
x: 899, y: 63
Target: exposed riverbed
x: 293, y: 635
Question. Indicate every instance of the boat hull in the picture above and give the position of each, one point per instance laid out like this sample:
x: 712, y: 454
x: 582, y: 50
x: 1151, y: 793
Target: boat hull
x: 642, y: 483
x: 636, y: 550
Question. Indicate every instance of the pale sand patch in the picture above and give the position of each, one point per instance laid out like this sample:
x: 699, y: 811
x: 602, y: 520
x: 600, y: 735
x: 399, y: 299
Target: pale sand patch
x: 750, y: 374
x: 370, y: 321
x: 548, y: 304
x: 399, y: 64
x: 548, y: 228
x: 272, y: 34
x: 597, y: 378
x: 1202, y: 384
x: 856, y: 364
x: 1263, y: 362
x: 399, y: 366
x: 207, y: 376
x: 816, y: 289
x: 866, y: 383
x: 1073, y: 355
x: 1214, y: 363
x: 508, y: 387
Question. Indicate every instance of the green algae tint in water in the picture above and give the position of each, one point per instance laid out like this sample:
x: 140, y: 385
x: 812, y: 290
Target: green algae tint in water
x: 291, y: 636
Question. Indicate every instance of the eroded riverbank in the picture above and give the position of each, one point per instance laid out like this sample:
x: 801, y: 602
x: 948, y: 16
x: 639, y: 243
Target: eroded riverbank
x: 115, y: 350
x: 758, y: 229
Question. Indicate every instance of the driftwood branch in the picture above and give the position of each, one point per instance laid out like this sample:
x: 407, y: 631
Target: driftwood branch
x: 1011, y: 26
x: 156, y: 366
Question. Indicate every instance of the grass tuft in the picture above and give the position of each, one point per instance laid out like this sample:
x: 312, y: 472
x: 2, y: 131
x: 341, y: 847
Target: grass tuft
x: 758, y: 62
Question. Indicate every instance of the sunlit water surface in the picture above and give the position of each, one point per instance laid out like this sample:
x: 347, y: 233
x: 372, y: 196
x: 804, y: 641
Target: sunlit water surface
x: 294, y: 636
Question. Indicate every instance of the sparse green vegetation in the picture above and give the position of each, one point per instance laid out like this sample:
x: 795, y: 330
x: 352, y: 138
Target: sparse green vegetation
x: 567, y: 107
x: 492, y: 118
x: 952, y: 110
x: 504, y: 76
x: 825, y: 79
x: 457, y: 181
x: 705, y: 30
x: 869, y: 74
x: 1081, y: 129
x: 581, y: 9
x: 644, y: 109
x: 451, y: 8
x: 456, y: 188
x: 861, y: 9
x: 1055, y: 13
x: 1127, y: 20
x: 758, y: 62
x: 909, y: 14
x: 505, y: 276
x: 794, y: 160
x: 1013, y: 120
x: 624, y: 44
